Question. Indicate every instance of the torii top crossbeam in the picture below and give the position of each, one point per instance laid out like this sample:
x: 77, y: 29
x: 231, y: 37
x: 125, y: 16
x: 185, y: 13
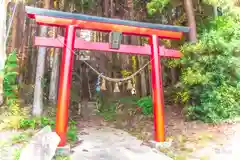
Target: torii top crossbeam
x: 58, y: 18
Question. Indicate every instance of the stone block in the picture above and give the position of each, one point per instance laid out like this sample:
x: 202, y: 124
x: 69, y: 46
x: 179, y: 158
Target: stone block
x: 63, y: 151
x: 159, y: 145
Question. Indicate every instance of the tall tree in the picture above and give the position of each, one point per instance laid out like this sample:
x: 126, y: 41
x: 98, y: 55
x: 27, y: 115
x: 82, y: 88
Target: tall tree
x: 53, y: 90
x: 3, y: 19
x: 23, y: 43
x: 38, y: 89
x: 17, y: 27
x: 188, y: 5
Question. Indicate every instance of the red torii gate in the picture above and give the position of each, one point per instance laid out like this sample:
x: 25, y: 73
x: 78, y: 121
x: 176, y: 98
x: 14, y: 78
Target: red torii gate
x: 72, y: 21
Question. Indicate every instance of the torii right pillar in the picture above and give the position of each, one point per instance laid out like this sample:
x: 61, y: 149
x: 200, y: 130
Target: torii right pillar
x: 157, y: 89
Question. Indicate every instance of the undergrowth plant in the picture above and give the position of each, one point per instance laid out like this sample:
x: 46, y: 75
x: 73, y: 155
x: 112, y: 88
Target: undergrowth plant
x: 10, y: 77
x: 108, y: 112
x: 36, y: 123
x: 10, y: 87
x: 17, y: 153
x: 146, y: 105
x: 210, y: 73
x: 11, y: 112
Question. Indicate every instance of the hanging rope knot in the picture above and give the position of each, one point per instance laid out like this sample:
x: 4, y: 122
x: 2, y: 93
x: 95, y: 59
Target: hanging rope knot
x: 116, y: 88
x: 103, y: 86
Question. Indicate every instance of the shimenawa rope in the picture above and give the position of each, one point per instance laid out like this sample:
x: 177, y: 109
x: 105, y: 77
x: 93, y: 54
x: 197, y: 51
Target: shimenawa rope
x: 109, y: 78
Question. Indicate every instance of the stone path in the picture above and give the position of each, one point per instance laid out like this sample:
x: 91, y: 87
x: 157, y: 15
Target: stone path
x: 106, y: 143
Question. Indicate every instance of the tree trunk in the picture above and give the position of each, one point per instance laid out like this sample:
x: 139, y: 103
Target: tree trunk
x: 25, y: 54
x: 143, y: 78
x: 31, y: 49
x: 21, y: 40
x: 3, y: 19
x: 17, y: 27
x: 191, y: 20
x: 34, y: 53
x: 173, y: 75
x: 150, y: 80
x: 38, y: 89
x: 54, y: 77
x: 53, y: 90
x: 85, y: 94
x: 135, y: 41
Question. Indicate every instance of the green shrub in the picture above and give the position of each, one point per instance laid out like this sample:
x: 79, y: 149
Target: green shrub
x: 210, y: 76
x: 72, y: 132
x: 35, y: 123
x: 10, y: 87
x: 146, y: 105
x: 17, y: 153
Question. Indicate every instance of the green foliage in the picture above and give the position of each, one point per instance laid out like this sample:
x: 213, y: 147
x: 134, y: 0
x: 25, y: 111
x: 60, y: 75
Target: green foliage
x: 62, y: 158
x: 35, y: 123
x: 106, y: 107
x: 212, y: 2
x: 21, y: 138
x: 130, y: 100
x: 72, y: 132
x: 14, y: 107
x: 210, y: 80
x: 10, y: 88
x: 228, y: 7
x: 146, y: 105
x: 17, y: 153
x: 124, y: 104
x: 156, y: 6
x: 27, y: 123
x: 84, y: 5
x: 108, y: 112
x: 216, y: 24
x: 125, y: 73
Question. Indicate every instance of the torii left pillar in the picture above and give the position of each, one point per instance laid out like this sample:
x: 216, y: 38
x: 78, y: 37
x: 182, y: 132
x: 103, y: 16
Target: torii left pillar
x: 65, y: 84
x: 157, y: 90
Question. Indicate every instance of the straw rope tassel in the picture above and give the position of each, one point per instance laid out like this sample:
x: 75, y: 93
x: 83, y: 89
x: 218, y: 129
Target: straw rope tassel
x: 116, y: 88
x: 133, y: 90
x: 103, y: 86
x: 129, y: 85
